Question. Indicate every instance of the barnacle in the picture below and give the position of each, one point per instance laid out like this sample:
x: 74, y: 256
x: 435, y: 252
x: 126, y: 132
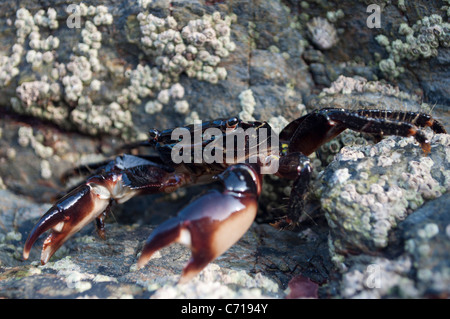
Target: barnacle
x: 195, y: 49
x: 421, y: 41
x: 323, y: 33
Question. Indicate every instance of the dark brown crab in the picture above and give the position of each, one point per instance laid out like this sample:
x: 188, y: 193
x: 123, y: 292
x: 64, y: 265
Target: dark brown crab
x: 212, y: 223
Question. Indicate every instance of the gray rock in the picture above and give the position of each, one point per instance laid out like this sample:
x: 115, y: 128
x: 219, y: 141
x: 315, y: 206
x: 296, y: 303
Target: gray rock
x: 367, y: 190
x: 258, y: 266
x: 376, y: 187
x: 425, y: 236
x: 415, y: 266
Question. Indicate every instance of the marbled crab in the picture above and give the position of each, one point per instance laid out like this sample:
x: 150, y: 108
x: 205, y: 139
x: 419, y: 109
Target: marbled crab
x: 217, y: 219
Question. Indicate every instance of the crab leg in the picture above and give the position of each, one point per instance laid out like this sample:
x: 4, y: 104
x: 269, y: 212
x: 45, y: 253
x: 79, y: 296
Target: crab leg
x: 121, y: 179
x: 308, y: 132
x: 297, y: 167
x: 211, y: 223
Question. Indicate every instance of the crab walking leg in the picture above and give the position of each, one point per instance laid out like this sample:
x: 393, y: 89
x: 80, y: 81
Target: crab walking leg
x: 308, y: 132
x: 91, y: 200
x: 211, y: 223
x: 297, y: 167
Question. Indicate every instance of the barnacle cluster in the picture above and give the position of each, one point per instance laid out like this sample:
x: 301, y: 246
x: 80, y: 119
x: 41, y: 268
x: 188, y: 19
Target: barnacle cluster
x: 195, y: 50
x: 27, y: 26
x: 66, y: 89
x: 60, y: 91
x: 446, y: 7
x: 248, y: 103
x: 358, y: 84
x: 367, y: 190
x: 37, y: 96
x: 27, y: 138
x: 80, y: 79
x: 422, y: 40
x: 388, y: 276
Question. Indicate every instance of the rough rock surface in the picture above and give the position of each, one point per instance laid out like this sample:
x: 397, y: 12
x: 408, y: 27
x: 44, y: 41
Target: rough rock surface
x: 366, y: 191
x: 259, y: 266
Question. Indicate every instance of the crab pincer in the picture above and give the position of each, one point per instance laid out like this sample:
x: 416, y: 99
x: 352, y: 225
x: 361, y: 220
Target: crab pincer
x: 71, y: 213
x: 211, y: 223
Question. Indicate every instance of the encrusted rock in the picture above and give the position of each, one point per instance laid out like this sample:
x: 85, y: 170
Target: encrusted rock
x: 366, y: 191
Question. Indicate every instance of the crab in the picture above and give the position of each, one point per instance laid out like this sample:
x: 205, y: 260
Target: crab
x: 211, y: 223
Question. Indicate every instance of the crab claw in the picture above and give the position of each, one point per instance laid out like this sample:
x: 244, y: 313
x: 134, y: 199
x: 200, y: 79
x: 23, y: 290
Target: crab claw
x: 211, y: 223
x: 66, y: 217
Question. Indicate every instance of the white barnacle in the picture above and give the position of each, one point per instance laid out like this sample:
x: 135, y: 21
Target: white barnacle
x: 203, y: 55
x: 96, y: 36
x: 37, y: 61
x: 211, y: 77
x: 85, y: 75
x: 47, y: 57
x: 247, y: 101
x: 51, y: 13
x: 34, y: 35
x: 213, y: 60
x: 177, y: 91
x: 54, y: 43
x: 152, y: 107
x: 102, y: 9
x: 95, y: 85
x: 83, y: 47
x: 209, y: 33
x: 164, y: 96
x: 230, y: 46
x: 223, y: 30
x: 216, y: 16
x: 55, y: 89
x: 180, y: 48
x: 35, y: 44
x: 223, y: 53
x: 31, y: 54
x: 97, y: 19
x: 322, y: 33
x: 108, y: 19
x: 147, y: 41
x: 221, y: 73
x: 182, y: 107
x: 170, y: 48
x: 46, y: 171
x: 91, y: 10
x: 208, y: 69
x: 17, y: 48
x: 192, y: 49
x: 171, y: 22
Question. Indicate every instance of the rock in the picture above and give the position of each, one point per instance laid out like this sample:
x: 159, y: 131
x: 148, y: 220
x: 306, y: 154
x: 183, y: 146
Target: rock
x: 425, y: 236
x: 72, y: 95
x: 258, y: 266
x: 367, y: 190
x: 416, y: 267
x: 81, y: 75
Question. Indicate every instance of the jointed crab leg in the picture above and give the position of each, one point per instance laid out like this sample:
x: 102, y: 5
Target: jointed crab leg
x: 121, y: 179
x: 308, y: 132
x: 212, y: 223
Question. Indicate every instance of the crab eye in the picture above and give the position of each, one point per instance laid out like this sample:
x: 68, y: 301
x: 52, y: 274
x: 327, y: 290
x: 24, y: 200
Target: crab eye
x: 232, y: 122
x: 153, y: 135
